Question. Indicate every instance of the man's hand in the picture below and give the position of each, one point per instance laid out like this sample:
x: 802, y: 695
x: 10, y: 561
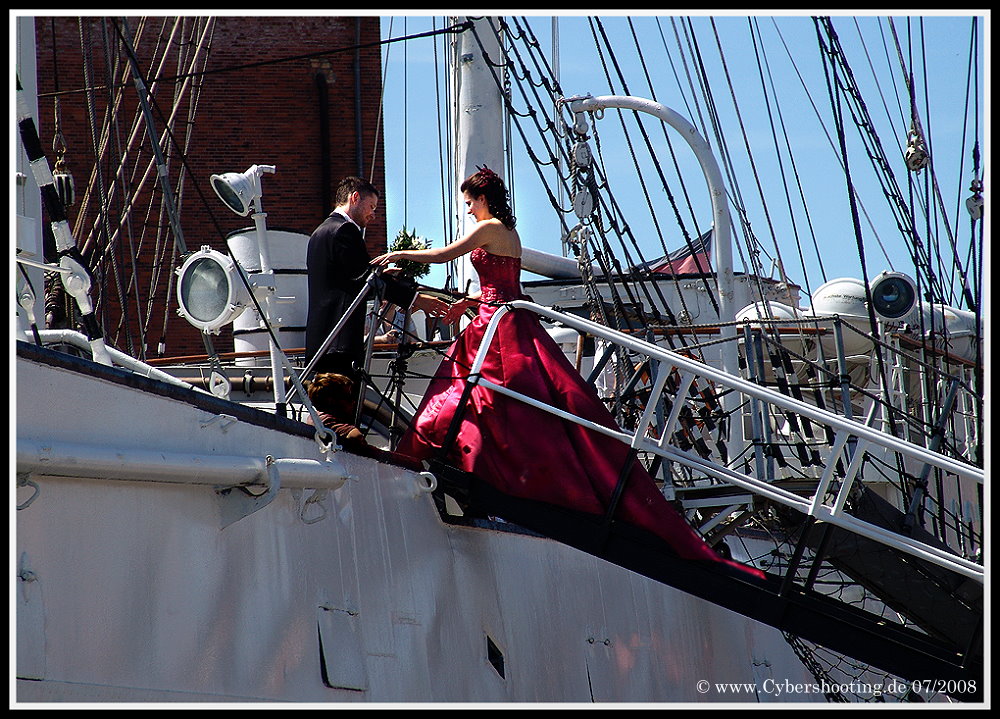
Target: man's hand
x: 456, y: 311
x: 433, y: 306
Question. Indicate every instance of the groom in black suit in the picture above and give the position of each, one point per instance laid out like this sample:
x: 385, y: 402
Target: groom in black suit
x: 337, y: 265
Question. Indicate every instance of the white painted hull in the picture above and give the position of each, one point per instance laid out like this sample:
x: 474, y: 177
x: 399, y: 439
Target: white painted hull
x: 133, y: 590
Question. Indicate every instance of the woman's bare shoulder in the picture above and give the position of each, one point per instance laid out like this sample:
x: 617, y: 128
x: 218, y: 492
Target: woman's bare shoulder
x: 499, y: 240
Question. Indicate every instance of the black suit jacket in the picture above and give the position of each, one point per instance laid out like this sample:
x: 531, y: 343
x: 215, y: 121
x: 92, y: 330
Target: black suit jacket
x: 337, y: 265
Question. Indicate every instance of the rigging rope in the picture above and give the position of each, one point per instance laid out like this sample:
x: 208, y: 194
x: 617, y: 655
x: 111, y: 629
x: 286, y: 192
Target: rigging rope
x: 753, y: 245
x: 113, y: 132
x: 847, y: 88
x: 626, y: 230
x: 956, y: 259
x: 832, y: 83
x: 451, y: 30
x: 922, y: 259
x: 127, y: 191
x: 100, y: 143
x: 709, y: 290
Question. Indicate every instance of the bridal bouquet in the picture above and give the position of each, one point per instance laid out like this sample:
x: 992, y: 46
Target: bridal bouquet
x: 410, y: 241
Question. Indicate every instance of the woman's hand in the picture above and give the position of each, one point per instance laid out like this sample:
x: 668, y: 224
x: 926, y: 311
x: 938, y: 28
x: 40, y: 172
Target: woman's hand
x: 386, y: 259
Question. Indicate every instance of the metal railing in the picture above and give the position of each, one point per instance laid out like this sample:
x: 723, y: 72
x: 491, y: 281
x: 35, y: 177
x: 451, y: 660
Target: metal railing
x: 852, y: 440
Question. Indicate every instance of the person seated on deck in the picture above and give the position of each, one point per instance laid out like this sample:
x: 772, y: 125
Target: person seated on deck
x: 396, y: 327
x: 332, y: 396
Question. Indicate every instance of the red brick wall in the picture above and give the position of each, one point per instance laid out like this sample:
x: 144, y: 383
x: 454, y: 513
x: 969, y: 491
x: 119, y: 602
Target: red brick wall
x: 267, y: 113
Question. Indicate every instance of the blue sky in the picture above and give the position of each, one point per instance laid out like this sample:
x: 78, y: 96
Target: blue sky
x: 413, y: 185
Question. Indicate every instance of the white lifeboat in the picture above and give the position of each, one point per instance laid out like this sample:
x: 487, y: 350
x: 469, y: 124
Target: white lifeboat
x: 770, y: 314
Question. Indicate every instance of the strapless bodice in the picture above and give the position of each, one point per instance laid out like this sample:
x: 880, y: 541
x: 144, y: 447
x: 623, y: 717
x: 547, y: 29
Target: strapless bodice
x: 499, y: 275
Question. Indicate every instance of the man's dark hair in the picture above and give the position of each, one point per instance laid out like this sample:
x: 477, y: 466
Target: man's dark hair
x: 349, y: 185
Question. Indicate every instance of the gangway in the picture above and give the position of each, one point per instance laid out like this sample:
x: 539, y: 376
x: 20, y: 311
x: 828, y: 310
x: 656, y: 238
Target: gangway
x: 784, y: 601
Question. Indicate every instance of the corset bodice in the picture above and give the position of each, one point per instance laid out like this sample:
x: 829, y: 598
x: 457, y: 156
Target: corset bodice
x: 499, y: 275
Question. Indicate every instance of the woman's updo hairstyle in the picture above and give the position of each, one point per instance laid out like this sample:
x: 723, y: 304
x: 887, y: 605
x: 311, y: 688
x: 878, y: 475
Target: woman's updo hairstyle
x: 487, y: 183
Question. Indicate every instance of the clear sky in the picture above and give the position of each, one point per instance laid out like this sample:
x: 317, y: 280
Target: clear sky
x: 935, y: 47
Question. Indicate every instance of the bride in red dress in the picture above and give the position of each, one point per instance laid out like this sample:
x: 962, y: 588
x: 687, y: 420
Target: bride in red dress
x: 518, y: 449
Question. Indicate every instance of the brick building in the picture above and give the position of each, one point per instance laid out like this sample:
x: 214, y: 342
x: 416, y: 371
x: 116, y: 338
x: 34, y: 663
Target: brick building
x: 300, y: 93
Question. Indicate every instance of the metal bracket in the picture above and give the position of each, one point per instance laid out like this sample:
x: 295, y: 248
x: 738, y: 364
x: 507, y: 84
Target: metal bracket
x: 235, y: 503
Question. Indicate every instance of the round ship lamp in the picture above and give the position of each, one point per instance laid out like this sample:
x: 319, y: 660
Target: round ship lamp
x: 894, y: 297
x: 213, y: 289
x: 210, y: 291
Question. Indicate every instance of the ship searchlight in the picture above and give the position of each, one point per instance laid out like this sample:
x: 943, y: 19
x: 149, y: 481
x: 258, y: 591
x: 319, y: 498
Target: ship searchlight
x: 240, y: 191
x: 209, y: 291
x: 894, y: 297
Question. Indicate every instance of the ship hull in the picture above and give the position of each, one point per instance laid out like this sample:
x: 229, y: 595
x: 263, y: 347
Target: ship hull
x: 155, y: 589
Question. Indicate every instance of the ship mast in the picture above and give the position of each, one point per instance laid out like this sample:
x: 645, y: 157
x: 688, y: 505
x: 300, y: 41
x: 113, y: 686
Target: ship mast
x: 477, y: 122
x: 28, y: 198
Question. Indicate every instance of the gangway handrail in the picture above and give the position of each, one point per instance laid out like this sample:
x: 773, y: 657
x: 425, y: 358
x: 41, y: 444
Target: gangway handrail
x: 844, y: 429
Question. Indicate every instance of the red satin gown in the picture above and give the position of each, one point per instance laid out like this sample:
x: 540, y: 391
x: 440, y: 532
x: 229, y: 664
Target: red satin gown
x: 524, y: 451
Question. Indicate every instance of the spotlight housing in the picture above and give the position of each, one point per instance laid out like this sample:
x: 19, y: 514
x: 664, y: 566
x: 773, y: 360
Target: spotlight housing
x: 236, y: 190
x: 894, y: 297
x: 241, y: 191
x: 210, y: 291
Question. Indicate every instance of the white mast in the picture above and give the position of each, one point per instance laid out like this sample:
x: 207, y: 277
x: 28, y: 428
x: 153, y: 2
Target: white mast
x: 477, y: 127
x: 29, y: 201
